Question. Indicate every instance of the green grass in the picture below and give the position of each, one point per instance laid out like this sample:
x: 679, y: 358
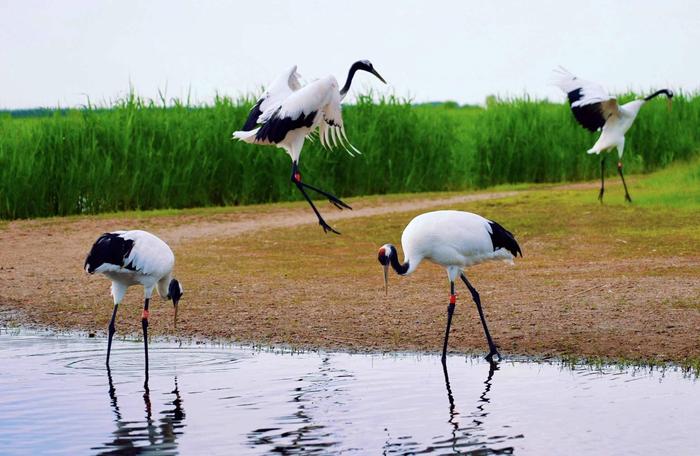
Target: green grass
x: 141, y: 155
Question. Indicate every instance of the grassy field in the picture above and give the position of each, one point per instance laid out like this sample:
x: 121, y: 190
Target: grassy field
x: 141, y: 155
x: 612, y: 281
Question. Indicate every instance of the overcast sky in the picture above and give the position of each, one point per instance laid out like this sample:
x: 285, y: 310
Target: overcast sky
x: 59, y: 52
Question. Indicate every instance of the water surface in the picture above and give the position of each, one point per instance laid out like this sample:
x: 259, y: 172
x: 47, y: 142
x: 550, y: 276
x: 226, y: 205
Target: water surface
x: 57, y: 397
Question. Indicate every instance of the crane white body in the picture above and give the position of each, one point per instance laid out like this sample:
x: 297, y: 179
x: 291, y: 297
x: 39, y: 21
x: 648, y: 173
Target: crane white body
x: 596, y: 110
x: 613, y: 132
x: 454, y: 240
x: 287, y: 113
x: 131, y: 258
x: 149, y: 263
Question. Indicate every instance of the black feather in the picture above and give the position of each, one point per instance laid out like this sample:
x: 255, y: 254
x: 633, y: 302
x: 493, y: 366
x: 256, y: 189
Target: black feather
x: 276, y: 128
x: 590, y: 116
x: 502, y: 238
x: 174, y: 292
x: 575, y: 95
x: 110, y: 248
x: 255, y: 113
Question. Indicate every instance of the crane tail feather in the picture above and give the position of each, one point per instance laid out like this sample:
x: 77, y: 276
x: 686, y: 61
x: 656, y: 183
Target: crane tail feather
x: 503, y: 239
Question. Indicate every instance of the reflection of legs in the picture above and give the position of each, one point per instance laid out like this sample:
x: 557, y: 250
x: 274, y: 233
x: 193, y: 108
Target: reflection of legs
x: 144, y: 325
x: 453, y: 413
x: 493, y: 367
x: 450, y: 311
x: 619, y: 170
x: 111, y: 330
x: 602, y: 179
x: 113, y: 393
x: 477, y: 300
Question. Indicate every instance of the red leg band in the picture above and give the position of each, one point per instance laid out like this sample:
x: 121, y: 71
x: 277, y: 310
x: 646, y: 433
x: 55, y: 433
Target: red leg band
x: 144, y: 315
x: 453, y: 299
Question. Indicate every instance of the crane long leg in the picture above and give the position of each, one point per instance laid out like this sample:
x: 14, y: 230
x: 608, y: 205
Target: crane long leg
x: 450, y: 311
x: 144, y: 325
x: 111, y: 330
x: 326, y: 227
x: 624, y: 184
x: 602, y: 179
x: 296, y: 178
x: 337, y: 202
x: 475, y: 295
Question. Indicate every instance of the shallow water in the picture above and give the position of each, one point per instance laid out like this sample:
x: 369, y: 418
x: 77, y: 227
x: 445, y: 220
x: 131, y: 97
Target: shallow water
x: 56, y: 397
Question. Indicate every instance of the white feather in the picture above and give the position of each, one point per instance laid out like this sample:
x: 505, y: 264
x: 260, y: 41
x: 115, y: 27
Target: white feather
x: 591, y: 92
x: 150, y: 264
x: 450, y: 238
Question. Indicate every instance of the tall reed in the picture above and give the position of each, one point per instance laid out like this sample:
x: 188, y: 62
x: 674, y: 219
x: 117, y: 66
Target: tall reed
x: 139, y: 154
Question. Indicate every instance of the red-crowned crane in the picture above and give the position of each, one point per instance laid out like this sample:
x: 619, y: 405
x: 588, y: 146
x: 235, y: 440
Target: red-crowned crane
x: 287, y: 113
x: 594, y: 109
x: 455, y: 240
x: 135, y: 258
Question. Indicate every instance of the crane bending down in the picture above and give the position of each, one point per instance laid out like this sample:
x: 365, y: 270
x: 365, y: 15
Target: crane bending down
x: 594, y: 109
x: 287, y: 113
x: 455, y: 240
x: 135, y: 258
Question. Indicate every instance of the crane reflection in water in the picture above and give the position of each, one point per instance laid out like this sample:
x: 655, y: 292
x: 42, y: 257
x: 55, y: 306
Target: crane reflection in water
x: 149, y: 434
x: 473, y: 433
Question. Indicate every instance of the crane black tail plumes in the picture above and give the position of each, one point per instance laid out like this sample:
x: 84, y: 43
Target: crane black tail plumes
x: 502, y: 238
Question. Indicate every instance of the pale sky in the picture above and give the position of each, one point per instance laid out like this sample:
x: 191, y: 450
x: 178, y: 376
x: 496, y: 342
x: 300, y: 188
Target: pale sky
x: 59, y: 52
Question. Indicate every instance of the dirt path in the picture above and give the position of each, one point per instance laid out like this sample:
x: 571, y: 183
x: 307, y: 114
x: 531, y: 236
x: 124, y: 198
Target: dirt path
x: 586, y: 286
x: 302, y: 216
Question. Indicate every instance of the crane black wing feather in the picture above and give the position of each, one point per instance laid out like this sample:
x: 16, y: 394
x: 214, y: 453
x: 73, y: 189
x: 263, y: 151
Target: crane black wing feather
x: 590, y: 116
x: 255, y: 112
x: 590, y: 104
x: 502, y: 238
x: 275, y: 129
x: 286, y: 84
x: 110, y: 248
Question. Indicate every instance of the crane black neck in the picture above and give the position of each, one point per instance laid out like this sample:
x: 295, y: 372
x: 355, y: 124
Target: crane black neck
x: 351, y: 74
x: 666, y: 92
x: 400, y: 269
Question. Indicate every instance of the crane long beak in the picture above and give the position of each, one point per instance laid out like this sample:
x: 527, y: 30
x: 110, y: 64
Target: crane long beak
x: 374, y: 72
x: 669, y: 104
x: 175, y: 306
x: 386, y: 279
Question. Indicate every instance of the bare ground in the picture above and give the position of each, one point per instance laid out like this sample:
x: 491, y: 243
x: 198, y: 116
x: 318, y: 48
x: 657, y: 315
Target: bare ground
x: 268, y: 274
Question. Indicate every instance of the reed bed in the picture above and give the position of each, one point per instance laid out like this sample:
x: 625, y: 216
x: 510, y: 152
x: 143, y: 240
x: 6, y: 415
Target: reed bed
x: 143, y: 154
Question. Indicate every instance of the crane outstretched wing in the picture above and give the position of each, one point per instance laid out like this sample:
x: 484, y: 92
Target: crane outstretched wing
x: 331, y: 131
x: 316, y: 104
x: 298, y: 110
x: 591, y: 105
x: 285, y: 84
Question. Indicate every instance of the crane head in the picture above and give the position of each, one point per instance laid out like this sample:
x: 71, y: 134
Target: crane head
x: 384, y: 258
x: 366, y: 65
x: 175, y: 292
